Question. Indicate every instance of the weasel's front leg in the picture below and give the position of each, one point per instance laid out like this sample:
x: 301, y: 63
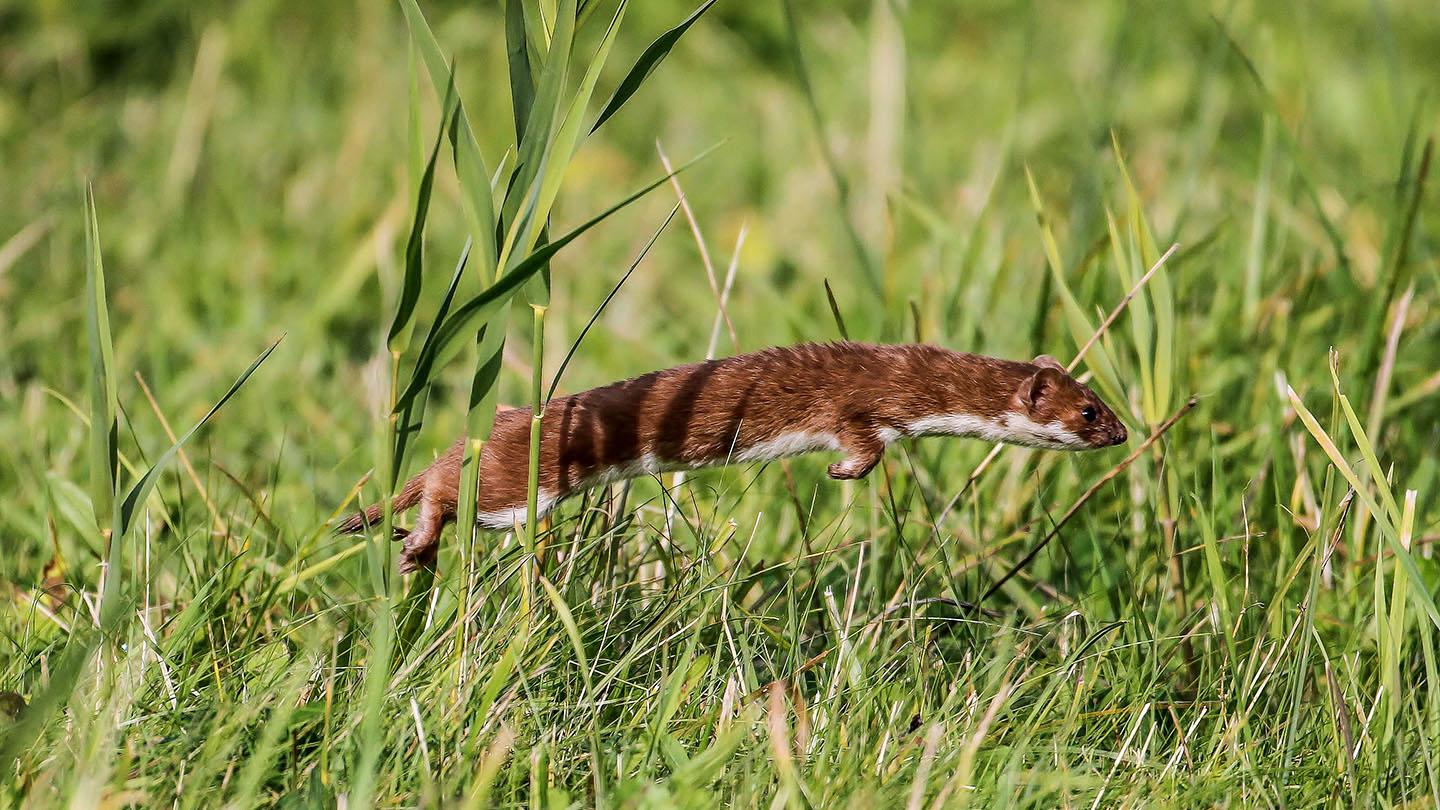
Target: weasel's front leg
x: 863, y: 450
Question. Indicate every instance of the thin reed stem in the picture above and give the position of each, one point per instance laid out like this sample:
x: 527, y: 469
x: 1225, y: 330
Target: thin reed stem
x: 537, y: 416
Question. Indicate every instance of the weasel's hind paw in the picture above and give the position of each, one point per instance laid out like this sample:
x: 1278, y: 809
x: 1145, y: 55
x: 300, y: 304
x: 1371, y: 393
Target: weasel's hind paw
x: 849, y: 470
x: 418, y: 552
x: 410, y: 563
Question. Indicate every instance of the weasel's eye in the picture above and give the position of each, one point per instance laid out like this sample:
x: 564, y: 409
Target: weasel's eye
x: 1089, y: 413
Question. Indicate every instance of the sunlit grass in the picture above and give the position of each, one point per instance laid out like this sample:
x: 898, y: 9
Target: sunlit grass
x: 1242, y: 616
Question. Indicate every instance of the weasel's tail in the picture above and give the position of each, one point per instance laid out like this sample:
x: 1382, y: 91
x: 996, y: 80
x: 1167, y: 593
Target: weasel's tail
x: 408, y: 497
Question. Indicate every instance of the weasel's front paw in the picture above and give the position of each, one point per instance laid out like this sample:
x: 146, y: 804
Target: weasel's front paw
x: 847, y: 471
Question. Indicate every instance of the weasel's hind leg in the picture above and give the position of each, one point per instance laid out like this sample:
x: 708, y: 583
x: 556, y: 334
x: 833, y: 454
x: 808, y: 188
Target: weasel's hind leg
x: 863, y: 449
x: 421, y: 542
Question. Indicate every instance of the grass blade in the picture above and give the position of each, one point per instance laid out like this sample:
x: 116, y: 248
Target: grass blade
x: 475, y: 312
x: 1367, y: 450
x: 567, y: 136
x: 469, y: 163
x: 1099, y: 358
x: 137, y: 493
x: 413, y: 414
x: 575, y: 346
x: 1140, y: 326
x: 104, y: 448
x: 1159, y: 293
x: 404, y: 321
x: 537, y: 418
x: 646, y: 64
x: 522, y: 84
x: 835, y: 311
x: 534, y: 143
x: 1403, y: 557
x: 567, y: 619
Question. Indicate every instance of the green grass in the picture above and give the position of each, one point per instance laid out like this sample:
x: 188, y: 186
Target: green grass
x: 1244, y: 616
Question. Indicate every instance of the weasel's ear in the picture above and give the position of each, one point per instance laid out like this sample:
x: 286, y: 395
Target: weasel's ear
x: 1046, y: 361
x: 1040, y: 385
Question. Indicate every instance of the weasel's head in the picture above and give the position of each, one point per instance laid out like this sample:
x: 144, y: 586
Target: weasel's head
x: 1052, y: 410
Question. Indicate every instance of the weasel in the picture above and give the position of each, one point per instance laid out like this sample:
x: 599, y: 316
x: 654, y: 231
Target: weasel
x: 852, y: 398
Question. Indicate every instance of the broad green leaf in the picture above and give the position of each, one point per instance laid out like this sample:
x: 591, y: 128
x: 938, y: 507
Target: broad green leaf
x: 646, y: 64
x: 1080, y: 329
x: 544, y: 113
x: 430, y: 52
x: 562, y: 149
x: 411, y: 417
x: 404, y: 322
x: 480, y: 414
x: 103, y: 405
x: 487, y: 370
x: 538, y: 30
x: 478, y: 310
x: 477, y: 196
x: 415, y: 137
x: 469, y: 161
x: 1158, y: 291
x: 522, y: 83
x: 516, y: 233
x: 567, y: 136
x: 1138, y: 315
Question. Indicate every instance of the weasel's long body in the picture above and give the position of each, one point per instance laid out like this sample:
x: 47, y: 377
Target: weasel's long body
x: 851, y: 398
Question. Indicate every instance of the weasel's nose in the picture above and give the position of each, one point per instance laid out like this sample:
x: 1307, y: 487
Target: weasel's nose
x: 1118, y: 435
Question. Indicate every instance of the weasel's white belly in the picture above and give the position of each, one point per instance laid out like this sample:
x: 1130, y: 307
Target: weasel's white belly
x: 512, y: 516
x: 959, y: 424
x: 793, y: 443
x: 1011, y: 428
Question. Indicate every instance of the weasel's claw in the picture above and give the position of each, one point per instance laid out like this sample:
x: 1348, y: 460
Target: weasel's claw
x: 419, y: 550
x: 421, y: 558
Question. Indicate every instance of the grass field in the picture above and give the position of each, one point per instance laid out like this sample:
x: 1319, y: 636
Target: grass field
x: 1244, y: 616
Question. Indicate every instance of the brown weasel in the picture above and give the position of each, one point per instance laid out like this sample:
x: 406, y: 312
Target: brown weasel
x: 854, y: 398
